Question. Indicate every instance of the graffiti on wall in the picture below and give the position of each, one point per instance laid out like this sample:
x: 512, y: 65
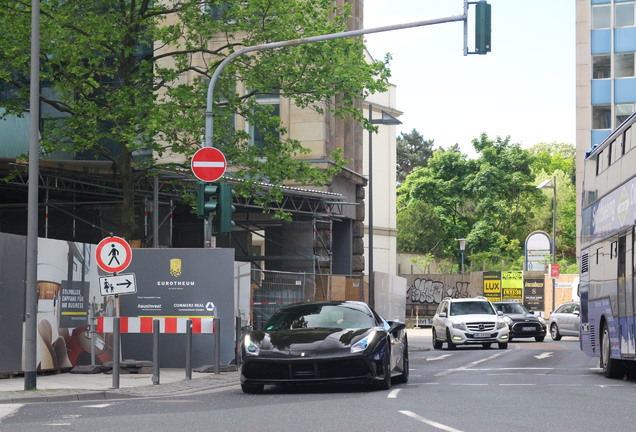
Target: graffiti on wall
x: 433, y: 291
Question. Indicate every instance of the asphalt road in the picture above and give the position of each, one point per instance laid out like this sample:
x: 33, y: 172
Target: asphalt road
x: 531, y: 386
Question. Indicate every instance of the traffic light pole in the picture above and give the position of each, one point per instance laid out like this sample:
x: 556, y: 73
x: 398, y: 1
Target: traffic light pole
x: 209, y: 123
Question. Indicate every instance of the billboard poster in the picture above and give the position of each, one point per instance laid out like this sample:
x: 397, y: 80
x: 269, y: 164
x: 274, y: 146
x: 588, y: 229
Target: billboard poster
x: 73, y: 303
x: 181, y: 283
x: 12, y: 277
x: 534, y: 293
x: 492, y: 285
x: 512, y: 286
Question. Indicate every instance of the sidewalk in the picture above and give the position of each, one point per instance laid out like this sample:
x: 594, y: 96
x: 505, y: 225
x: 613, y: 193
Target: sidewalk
x: 87, y: 387
x: 71, y: 386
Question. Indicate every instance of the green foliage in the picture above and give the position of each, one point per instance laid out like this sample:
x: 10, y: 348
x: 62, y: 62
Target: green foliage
x: 493, y: 202
x: 488, y: 200
x: 128, y: 76
x: 421, y: 229
x: 411, y: 151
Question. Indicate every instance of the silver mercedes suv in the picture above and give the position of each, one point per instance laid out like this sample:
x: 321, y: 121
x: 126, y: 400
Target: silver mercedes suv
x: 469, y: 321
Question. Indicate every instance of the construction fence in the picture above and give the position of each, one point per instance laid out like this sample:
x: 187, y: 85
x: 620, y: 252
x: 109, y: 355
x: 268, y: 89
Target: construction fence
x: 270, y: 290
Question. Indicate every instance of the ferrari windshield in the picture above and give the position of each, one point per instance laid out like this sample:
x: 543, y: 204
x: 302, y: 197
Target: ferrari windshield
x: 321, y: 316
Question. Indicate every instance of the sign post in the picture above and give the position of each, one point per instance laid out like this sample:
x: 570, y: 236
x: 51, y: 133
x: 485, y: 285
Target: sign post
x: 113, y: 254
x: 208, y: 164
x: 555, y: 271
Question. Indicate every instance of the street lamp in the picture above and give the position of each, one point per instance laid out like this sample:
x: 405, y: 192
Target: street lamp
x: 462, y: 248
x: 545, y: 185
x: 386, y: 119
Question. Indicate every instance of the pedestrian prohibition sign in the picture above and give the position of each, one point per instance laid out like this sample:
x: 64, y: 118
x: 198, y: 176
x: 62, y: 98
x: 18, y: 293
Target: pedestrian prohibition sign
x: 113, y: 254
x: 208, y: 164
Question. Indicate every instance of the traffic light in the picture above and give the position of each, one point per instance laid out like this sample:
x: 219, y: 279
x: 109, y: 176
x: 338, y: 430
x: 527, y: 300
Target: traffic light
x: 482, y: 27
x: 206, y: 199
x: 223, y: 221
x: 216, y: 199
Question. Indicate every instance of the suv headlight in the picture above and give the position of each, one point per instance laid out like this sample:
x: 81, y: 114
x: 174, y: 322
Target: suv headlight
x: 507, y: 320
x: 502, y: 324
x: 460, y: 326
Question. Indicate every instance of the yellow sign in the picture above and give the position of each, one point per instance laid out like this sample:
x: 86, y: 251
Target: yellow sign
x: 492, y: 285
x: 512, y: 285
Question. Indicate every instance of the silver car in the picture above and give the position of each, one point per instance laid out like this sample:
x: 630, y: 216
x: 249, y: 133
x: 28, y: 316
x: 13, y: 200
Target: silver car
x: 565, y: 320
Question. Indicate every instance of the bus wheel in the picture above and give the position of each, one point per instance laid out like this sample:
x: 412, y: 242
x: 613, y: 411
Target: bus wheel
x: 612, y: 368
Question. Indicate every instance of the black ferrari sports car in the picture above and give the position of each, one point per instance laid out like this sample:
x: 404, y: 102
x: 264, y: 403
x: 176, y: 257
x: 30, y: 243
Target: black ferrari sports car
x: 335, y: 341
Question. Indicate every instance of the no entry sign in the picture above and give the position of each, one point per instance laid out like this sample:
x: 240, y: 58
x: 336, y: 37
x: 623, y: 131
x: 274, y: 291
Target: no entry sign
x: 208, y: 164
x: 113, y: 254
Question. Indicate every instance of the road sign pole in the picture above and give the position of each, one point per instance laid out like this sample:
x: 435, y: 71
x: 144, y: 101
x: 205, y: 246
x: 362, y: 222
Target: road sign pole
x: 116, y: 339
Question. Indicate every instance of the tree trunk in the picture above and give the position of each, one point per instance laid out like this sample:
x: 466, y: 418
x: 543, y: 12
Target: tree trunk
x: 125, y: 171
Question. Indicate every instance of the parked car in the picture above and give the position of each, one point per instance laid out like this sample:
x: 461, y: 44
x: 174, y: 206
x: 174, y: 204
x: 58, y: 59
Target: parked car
x: 522, y: 323
x: 469, y: 321
x: 565, y: 320
x: 338, y: 341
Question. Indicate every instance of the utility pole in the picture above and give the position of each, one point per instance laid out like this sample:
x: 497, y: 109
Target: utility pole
x: 31, y: 300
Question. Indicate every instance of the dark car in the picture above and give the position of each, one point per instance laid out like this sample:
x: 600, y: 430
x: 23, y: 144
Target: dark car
x: 337, y: 341
x: 522, y: 322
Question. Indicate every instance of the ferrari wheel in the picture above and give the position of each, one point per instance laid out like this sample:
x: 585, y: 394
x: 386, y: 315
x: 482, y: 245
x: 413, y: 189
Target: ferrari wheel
x: 403, y: 378
x: 385, y: 383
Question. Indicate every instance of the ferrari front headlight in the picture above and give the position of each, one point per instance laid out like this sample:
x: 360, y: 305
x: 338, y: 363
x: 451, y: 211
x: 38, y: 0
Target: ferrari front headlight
x: 251, y: 348
x: 363, y: 343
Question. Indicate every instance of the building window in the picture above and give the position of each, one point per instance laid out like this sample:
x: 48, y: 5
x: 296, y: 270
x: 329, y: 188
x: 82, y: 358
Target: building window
x: 601, y: 117
x: 258, y: 135
x: 628, y: 140
x: 601, y: 66
x: 624, y: 64
x: 624, y: 14
x: 623, y: 111
x: 601, y: 16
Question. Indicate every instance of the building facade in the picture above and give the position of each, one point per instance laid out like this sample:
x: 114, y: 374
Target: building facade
x: 605, y: 73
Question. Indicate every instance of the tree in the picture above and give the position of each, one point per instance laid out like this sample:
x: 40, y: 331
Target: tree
x: 120, y: 77
x: 412, y: 151
x: 420, y: 230
x: 550, y: 157
x: 489, y: 200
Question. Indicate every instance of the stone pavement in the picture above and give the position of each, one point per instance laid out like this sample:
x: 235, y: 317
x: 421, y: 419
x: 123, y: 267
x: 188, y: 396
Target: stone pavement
x: 85, y: 387
x: 72, y: 386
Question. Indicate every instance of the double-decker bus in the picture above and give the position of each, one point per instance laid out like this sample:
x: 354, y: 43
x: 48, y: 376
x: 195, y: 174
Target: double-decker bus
x: 608, y: 237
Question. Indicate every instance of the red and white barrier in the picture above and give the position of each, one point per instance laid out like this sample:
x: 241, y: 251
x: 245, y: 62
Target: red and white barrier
x: 166, y: 324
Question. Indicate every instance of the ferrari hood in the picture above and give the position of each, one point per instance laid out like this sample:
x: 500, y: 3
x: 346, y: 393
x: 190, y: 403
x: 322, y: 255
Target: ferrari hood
x: 307, y: 341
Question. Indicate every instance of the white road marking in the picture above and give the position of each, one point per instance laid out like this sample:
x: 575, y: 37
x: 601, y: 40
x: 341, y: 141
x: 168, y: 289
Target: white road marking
x: 393, y: 394
x: 544, y: 355
x: 7, y: 410
x: 430, y: 422
x: 104, y: 405
x: 442, y: 357
x: 469, y: 365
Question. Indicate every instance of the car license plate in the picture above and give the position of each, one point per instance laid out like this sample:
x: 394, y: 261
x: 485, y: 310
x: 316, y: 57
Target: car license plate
x: 482, y: 335
x: 527, y: 328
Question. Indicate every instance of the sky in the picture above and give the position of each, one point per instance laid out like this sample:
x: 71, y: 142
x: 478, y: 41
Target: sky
x: 524, y: 88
